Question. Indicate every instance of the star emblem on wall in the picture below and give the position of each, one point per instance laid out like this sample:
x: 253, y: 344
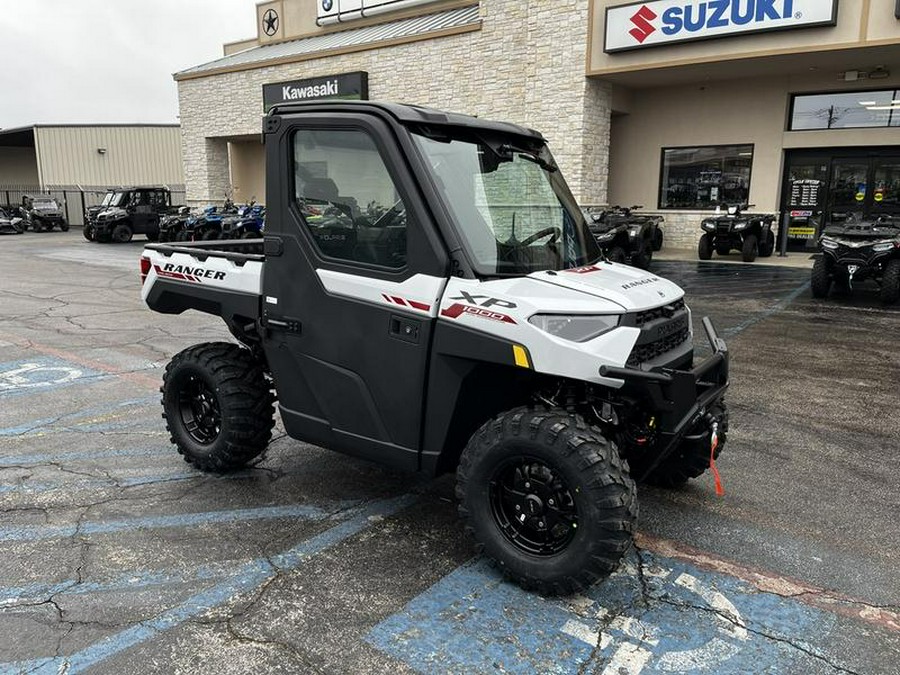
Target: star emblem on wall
x: 270, y: 22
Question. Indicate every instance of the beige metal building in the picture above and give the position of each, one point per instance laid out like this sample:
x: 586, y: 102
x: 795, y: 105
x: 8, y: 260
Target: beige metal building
x: 679, y: 105
x: 75, y: 158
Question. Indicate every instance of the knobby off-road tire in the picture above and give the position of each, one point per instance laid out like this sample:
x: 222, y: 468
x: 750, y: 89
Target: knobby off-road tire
x: 689, y: 460
x: 122, y: 234
x: 218, y: 406
x: 704, y: 248
x: 88, y: 232
x: 750, y: 249
x: 890, y: 283
x: 658, y: 238
x: 643, y: 259
x: 820, y: 281
x: 767, y: 248
x: 568, y: 474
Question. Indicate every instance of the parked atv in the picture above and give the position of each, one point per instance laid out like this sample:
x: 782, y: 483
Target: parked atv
x: 627, y: 237
x: 853, y: 252
x: 43, y: 213
x: 751, y: 234
x: 10, y: 224
x: 248, y: 224
x: 170, y: 227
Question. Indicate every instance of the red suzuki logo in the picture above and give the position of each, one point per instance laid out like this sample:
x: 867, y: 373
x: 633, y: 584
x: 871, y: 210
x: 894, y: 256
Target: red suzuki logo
x: 642, y: 26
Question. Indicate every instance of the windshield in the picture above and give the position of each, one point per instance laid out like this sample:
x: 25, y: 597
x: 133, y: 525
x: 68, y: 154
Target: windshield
x: 510, y: 205
x: 45, y: 203
x: 115, y: 199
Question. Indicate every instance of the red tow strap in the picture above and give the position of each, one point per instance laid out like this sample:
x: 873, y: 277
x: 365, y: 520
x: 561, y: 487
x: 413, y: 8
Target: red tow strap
x: 714, y: 443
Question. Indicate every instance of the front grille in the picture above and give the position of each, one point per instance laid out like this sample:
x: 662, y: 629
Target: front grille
x: 664, y: 312
x: 652, y: 350
x: 723, y: 228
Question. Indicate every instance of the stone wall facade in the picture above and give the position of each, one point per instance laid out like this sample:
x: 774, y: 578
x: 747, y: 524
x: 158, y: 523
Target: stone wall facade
x: 526, y: 65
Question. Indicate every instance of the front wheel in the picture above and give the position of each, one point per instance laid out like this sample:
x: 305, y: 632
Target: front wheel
x: 548, y: 498
x: 704, y: 248
x: 820, y: 282
x: 88, y: 232
x: 750, y: 249
x: 218, y: 406
x: 890, y: 283
x: 617, y: 255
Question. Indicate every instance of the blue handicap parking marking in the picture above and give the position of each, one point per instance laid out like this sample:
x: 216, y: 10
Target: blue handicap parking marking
x: 32, y: 376
x: 667, y: 617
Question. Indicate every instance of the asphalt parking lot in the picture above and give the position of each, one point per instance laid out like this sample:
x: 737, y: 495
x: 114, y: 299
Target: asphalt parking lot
x: 115, y: 556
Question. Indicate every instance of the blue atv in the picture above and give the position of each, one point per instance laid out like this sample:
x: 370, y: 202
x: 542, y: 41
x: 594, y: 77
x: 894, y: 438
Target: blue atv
x: 248, y: 224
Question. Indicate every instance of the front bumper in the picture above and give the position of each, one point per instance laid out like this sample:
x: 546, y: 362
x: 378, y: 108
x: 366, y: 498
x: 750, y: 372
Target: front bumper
x: 679, y: 399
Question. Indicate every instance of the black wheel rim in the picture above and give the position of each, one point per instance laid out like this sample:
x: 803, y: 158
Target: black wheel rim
x: 533, y: 506
x: 199, y: 409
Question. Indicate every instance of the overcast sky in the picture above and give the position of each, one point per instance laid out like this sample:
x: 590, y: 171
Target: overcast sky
x: 80, y: 61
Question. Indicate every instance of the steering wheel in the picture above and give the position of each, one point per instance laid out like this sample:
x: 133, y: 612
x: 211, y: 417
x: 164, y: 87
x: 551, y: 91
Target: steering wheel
x: 547, y: 231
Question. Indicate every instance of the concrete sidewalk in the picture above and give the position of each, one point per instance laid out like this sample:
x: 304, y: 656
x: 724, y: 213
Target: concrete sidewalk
x: 796, y: 260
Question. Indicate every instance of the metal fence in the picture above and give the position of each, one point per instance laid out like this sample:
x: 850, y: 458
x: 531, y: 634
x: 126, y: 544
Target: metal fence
x: 74, y: 199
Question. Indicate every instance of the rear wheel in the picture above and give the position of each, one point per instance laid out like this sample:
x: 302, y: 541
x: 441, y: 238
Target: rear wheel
x: 750, y: 249
x: 657, y: 239
x: 820, y: 281
x: 890, y: 283
x: 548, y: 498
x: 767, y: 248
x: 64, y: 226
x: 704, y: 248
x: 122, y: 233
x: 218, y: 406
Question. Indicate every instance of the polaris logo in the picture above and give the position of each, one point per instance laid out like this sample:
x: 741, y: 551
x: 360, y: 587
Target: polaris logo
x: 659, y: 22
x: 329, y: 88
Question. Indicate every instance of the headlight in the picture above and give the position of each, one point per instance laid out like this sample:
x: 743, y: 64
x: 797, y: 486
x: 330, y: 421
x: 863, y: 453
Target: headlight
x: 708, y: 225
x: 829, y: 244
x: 881, y: 248
x: 575, y: 328
x: 741, y: 225
x: 607, y: 236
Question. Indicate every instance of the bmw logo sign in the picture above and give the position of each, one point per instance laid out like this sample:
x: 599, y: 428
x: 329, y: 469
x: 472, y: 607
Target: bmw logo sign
x: 327, y: 5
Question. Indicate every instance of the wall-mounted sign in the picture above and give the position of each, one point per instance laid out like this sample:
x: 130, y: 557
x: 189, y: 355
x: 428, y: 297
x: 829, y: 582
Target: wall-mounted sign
x: 351, y: 86
x: 333, y: 11
x: 664, y: 22
x: 806, y: 193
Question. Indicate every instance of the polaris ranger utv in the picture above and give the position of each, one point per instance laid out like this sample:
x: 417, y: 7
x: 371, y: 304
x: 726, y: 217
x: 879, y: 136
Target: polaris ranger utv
x: 464, y: 319
x: 854, y: 251
x: 751, y: 234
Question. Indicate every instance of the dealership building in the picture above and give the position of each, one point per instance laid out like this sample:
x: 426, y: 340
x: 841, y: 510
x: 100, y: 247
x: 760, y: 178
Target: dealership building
x: 792, y: 106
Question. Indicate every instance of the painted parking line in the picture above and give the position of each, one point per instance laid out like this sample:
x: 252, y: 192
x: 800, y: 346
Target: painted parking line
x: 771, y: 311
x: 60, y: 457
x: 43, y: 532
x: 37, y: 426
x: 247, y: 577
x: 667, y: 617
x: 43, y: 374
x: 68, y: 485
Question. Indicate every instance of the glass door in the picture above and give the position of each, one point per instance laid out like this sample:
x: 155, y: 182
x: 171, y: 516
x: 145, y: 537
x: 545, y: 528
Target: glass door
x: 850, y: 189
x: 885, y: 187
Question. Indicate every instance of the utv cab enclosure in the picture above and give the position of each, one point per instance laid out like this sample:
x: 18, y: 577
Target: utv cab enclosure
x: 428, y: 295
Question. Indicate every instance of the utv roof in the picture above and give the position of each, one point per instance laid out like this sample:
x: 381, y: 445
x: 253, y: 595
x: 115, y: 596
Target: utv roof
x: 408, y: 114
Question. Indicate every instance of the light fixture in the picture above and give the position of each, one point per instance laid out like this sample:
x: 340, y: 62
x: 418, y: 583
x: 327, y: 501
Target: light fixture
x: 101, y: 151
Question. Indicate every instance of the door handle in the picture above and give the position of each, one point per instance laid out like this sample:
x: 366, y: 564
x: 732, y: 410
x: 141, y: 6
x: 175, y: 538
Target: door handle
x: 287, y: 324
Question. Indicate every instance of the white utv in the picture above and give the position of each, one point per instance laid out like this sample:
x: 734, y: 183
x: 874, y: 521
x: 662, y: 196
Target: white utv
x: 428, y: 295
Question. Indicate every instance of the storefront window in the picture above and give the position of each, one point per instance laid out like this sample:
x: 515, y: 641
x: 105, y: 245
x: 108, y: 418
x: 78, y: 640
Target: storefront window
x: 853, y: 110
x: 705, y: 177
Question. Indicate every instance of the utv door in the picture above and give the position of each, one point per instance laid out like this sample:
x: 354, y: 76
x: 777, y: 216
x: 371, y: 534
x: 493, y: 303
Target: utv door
x: 351, y: 283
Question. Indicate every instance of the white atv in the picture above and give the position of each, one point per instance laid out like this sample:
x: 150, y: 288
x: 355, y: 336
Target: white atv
x: 464, y: 320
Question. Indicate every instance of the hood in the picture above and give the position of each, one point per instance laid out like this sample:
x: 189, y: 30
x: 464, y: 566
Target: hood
x: 113, y: 212
x: 864, y: 233
x: 629, y: 287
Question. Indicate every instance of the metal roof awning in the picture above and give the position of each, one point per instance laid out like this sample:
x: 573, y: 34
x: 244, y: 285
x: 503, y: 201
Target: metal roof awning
x: 367, y: 37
